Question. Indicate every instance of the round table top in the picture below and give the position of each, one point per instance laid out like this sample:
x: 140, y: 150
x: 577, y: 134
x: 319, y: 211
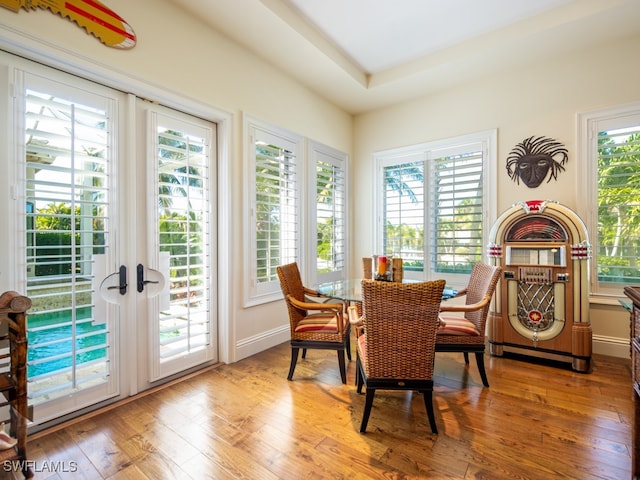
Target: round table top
x: 351, y: 290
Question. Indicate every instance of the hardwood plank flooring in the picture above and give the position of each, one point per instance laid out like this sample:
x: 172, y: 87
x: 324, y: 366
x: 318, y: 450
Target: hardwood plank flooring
x: 247, y: 421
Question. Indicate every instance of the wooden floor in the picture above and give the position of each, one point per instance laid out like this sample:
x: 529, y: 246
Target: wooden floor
x: 247, y: 421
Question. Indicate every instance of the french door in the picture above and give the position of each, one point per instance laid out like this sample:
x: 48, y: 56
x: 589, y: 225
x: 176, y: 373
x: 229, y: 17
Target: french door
x: 176, y: 248
x: 115, y: 221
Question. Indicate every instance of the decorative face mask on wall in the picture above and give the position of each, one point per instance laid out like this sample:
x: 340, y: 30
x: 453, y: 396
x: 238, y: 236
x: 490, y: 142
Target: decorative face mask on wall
x: 535, y: 157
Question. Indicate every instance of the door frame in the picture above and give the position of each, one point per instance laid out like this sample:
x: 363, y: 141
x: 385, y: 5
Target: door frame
x: 15, y: 43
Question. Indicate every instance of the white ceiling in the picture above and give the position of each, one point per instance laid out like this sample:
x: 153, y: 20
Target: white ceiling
x: 367, y: 54
x: 382, y: 34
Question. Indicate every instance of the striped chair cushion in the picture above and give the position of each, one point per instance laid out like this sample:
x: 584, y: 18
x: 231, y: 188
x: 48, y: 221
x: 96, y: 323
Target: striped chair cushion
x: 457, y: 326
x: 318, y: 322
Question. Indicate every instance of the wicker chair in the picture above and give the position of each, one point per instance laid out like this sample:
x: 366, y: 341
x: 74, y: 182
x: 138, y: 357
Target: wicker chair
x: 314, y: 325
x: 397, y: 350
x: 467, y: 333
x: 367, y: 267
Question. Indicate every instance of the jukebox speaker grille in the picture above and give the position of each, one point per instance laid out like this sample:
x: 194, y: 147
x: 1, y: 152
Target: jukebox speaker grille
x: 536, y: 299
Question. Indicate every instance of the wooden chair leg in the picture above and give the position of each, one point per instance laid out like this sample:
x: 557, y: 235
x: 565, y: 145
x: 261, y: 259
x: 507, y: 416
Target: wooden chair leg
x: 466, y: 357
x: 343, y: 367
x: 428, y: 403
x: 304, y: 353
x: 368, y: 403
x: 348, y: 347
x: 483, y: 372
x: 294, y: 360
x: 359, y: 380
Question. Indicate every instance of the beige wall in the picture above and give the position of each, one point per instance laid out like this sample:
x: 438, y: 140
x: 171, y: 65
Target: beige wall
x: 177, y: 55
x: 543, y: 99
x: 181, y: 57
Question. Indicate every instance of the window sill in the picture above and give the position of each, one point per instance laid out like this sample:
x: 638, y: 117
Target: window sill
x: 606, y: 299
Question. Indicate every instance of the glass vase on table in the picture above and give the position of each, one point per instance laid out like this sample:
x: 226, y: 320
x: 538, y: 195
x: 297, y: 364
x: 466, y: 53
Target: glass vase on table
x: 382, y: 270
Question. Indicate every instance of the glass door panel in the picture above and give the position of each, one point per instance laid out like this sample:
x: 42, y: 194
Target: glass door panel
x: 68, y: 209
x: 114, y: 222
x: 181, y: 314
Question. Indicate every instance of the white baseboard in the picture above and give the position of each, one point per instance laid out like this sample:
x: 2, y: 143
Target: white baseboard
x: 258, y: 343
x: 611, y: 346
x: 601, y: 345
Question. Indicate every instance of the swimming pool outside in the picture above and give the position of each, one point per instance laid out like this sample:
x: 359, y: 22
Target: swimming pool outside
x: 51, y: 345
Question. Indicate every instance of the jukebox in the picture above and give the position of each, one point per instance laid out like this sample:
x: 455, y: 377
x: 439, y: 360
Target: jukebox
x: 541, y: 306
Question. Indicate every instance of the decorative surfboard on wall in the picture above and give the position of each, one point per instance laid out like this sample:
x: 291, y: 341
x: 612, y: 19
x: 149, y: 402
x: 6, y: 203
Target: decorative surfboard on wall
x: 95, y: 17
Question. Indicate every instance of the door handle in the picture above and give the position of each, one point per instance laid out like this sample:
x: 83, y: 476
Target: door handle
x: 122, y: 276
x: 141, y: 281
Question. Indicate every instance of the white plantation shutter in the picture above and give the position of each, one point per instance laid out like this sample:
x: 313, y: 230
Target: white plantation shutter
x: 276, y: 207
x: 68, y: 169
x: 404, y: 211
x: 433, y: 206
x: 183, y: 235
x: 297, y: 209
x: 329, y: 183
x: 456, y: 210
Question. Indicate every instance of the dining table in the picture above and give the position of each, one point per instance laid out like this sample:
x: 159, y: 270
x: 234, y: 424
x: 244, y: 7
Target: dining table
x: 350, y: 290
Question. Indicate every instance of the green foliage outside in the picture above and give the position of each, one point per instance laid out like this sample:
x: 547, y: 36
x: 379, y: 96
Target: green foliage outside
x: 618, y: 236
x: 325, y: 250
x: 53, y: 238
x: 180, y: 233
x: 455, y: 235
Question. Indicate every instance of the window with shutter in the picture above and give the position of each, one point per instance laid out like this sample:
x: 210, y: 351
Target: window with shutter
x: 329, y: 183
x: 456, y: 205
x: 611, y: 140
x: 403, y: 212
x: 276, y: 206
x: 435, y: 203
x: 290, y: 223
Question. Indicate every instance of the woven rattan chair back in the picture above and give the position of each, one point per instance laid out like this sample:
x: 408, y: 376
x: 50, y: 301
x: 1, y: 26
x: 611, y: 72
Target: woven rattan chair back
x: 397, y: 349
x: 482, y: 283
x: 367, y: 267
x: 400, y: 325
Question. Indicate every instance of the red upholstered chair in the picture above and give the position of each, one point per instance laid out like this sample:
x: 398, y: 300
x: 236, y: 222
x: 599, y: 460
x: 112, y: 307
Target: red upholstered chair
x: 466, y: 332
x: 314, y: 325
x: 397, y: 349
